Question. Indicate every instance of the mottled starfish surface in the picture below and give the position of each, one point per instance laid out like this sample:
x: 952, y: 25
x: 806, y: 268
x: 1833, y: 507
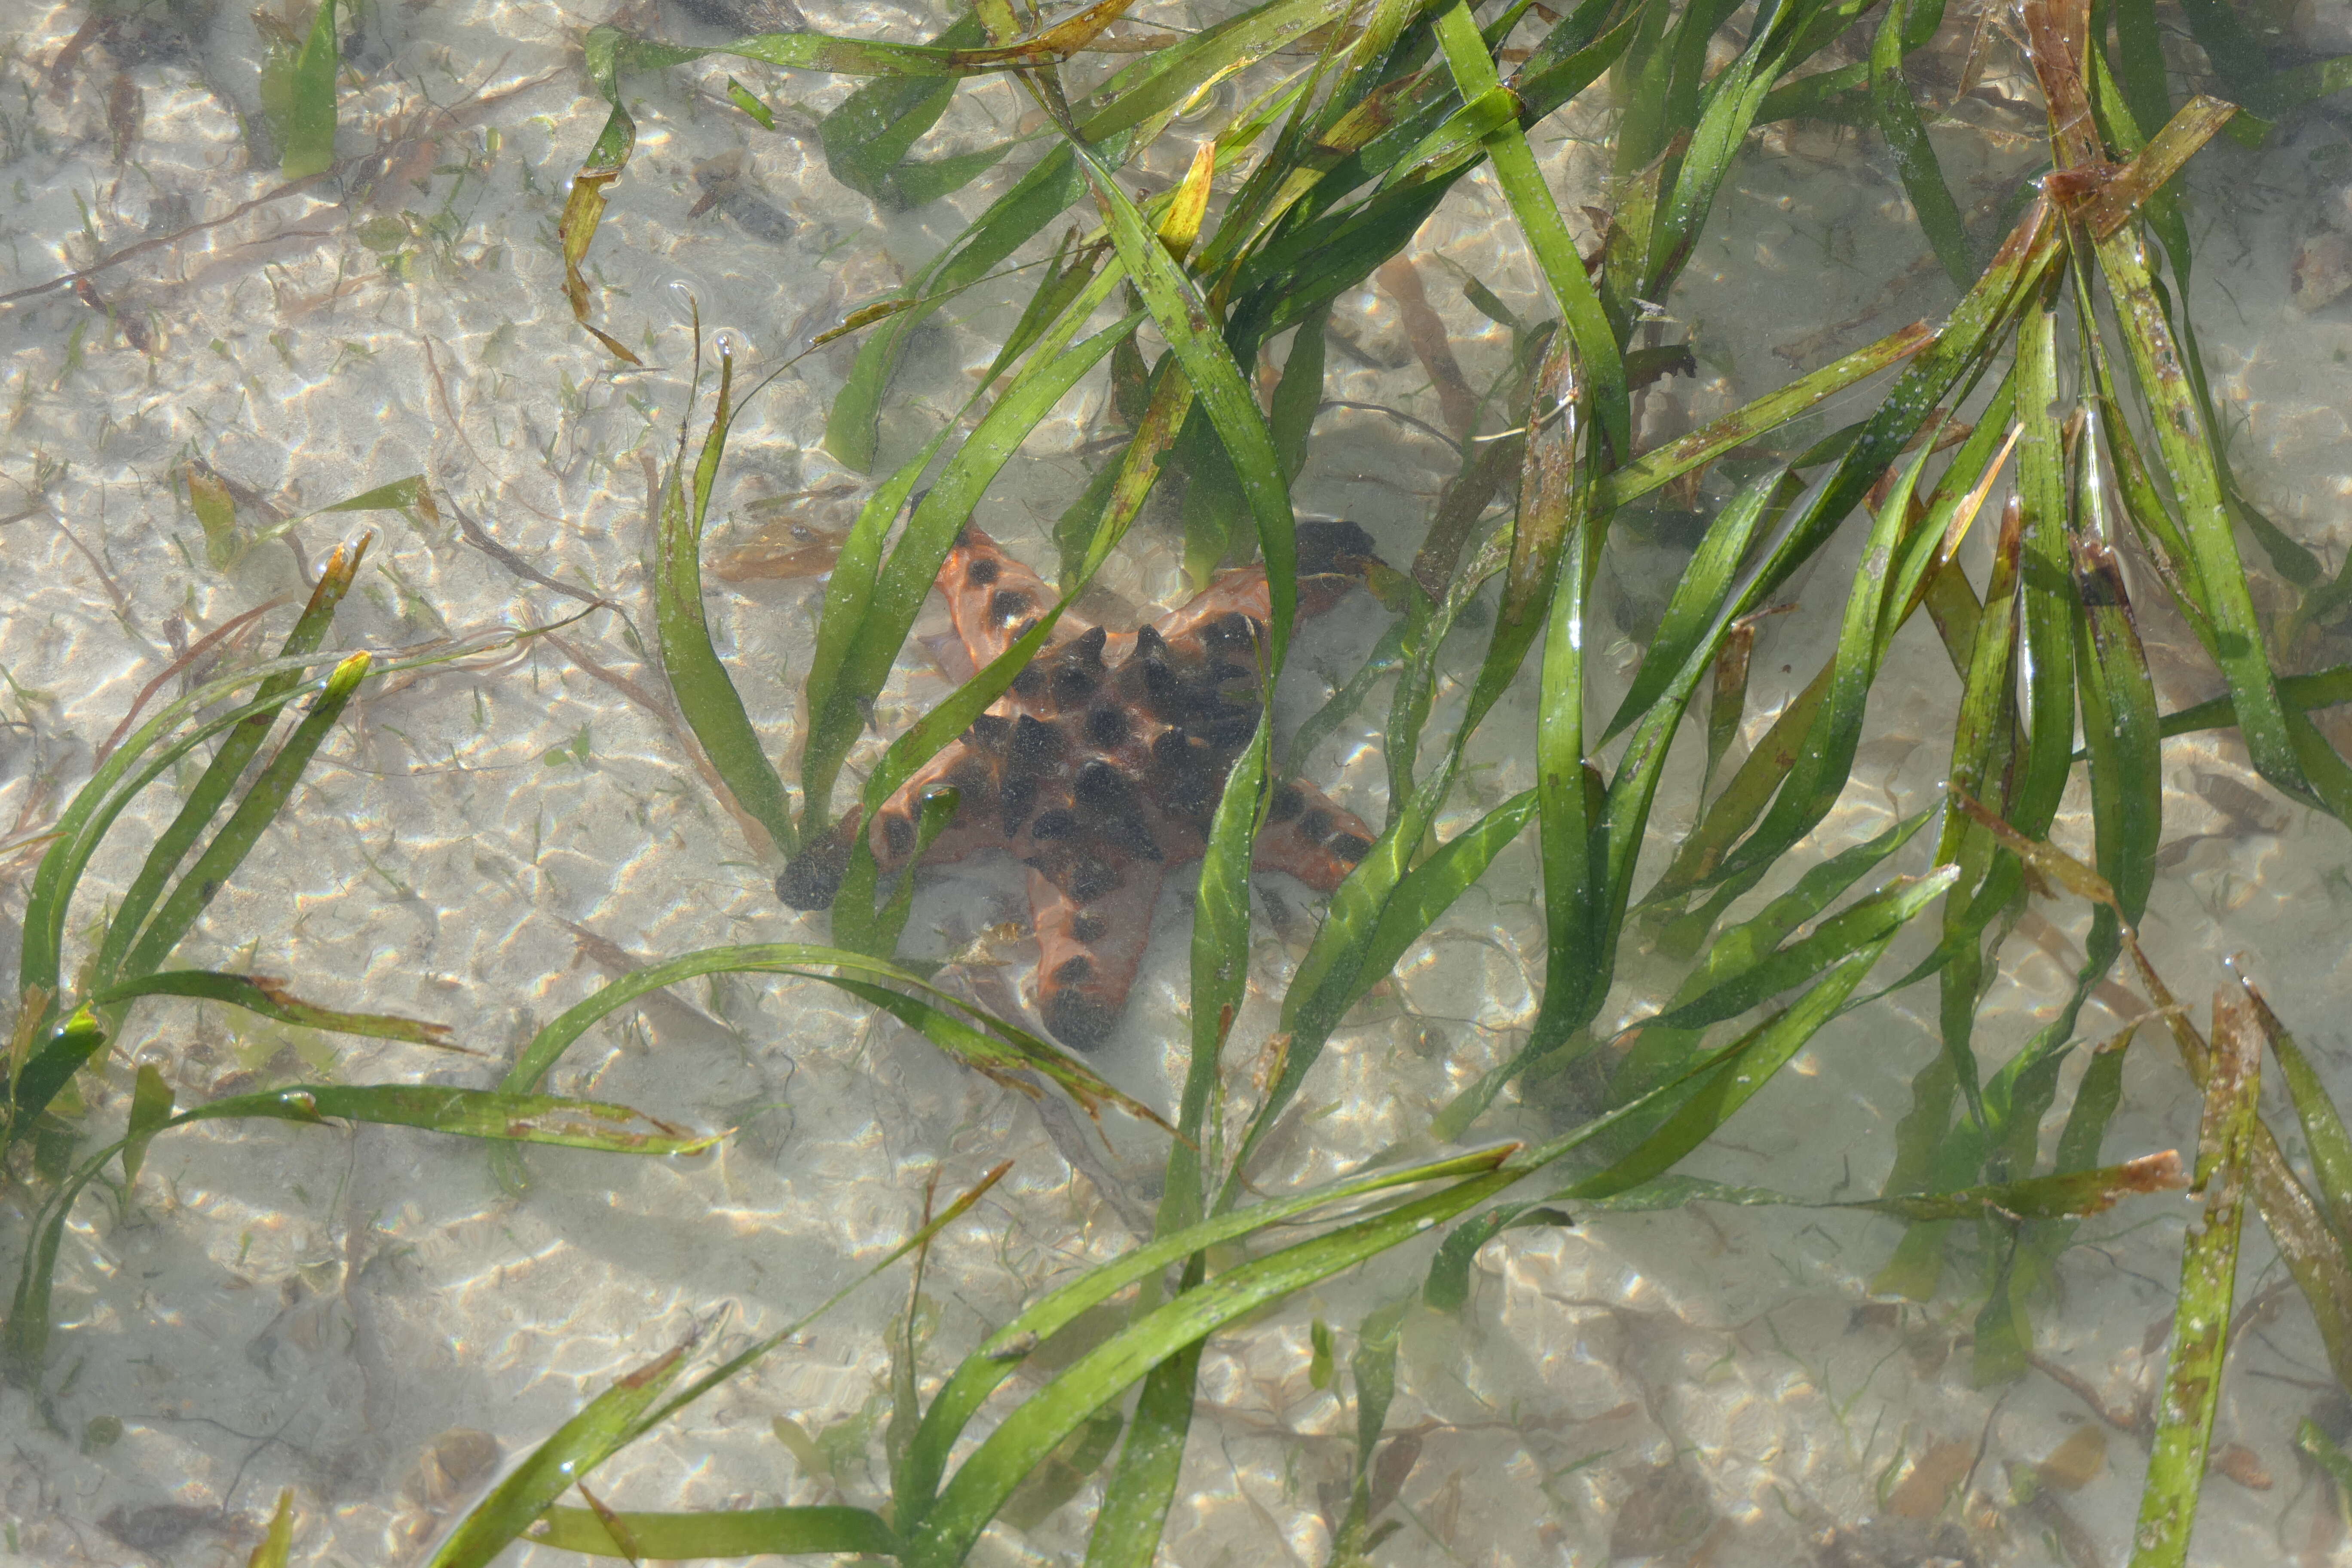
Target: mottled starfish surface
x: 1100, y: 769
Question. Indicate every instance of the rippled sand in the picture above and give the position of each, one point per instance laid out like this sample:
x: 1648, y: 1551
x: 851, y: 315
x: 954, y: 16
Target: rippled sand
x: 349, y: 1313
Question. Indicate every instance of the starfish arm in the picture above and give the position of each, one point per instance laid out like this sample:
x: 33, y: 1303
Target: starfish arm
x: 813, y: 879
x: 960, y: 765
x: 992, y: 597
x: 1087, y: 953
x: 1310, y: 837
x: 1235, y: 589
x: 1332, y: 558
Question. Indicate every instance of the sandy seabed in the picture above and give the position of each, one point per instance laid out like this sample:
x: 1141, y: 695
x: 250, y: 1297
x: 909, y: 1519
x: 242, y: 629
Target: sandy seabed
x: 371, y: 1319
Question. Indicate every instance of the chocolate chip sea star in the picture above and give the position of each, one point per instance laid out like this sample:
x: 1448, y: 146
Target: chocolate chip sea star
x: 1100, y: 769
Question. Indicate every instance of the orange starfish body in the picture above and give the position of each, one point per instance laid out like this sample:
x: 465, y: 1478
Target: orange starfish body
x: 1102, y: 768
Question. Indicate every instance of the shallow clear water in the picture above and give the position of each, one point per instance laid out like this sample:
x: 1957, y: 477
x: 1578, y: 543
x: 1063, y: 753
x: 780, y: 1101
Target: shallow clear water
x: 482, y: 844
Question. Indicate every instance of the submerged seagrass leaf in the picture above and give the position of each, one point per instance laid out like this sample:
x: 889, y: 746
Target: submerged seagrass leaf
x: 305, y: 122
x: 2240, y: 58
x: 730, y: 1532
x: 264, y: 799
x: 611, y: 54
x: 2322, y: 689
x: 2046, y: 860
x: 1735, y: 958
x: 491, y: 1114
x: 2313, y: 1441
x: 1220, y: 951
x: 399, y: 495
x: 634, y: 1406
x: 2183, y: 435
x: 2323, y: 1126
x: 1914, y: 155
x: 982, y: 1040
x: 278, y: 1537
x: 2315, y: 1253
x: 2209, y: 1276
x: 880, y: 936
x: 1539, y: 221
x: 1004, y: 1053
x: 1384, y: 904
x: 49, y: 1068
x: 96, y: 806
x: 486, y: 1114
x: 945, y: 1534
x: 267, y: 996
x: 1744, y: 1068
x: 868, y: 137
x: 955, y: 715
x: 1677, y: 1116
x: 2118, y: 707
x: 706, y: 693
x: 577, y: 1447
x: 2071, y: 1193
x: 1699, y: 615
x: 2121, y: 196
x: 2075, y: 1194
x: 1140, y: 98
x: 997, y: 1358
x: 151, y: 1109
x: 225, y: 541
x: 1134, y: 1514
x: 1760, y: 417
x: 213, y: 788
x: 1863, y: 923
